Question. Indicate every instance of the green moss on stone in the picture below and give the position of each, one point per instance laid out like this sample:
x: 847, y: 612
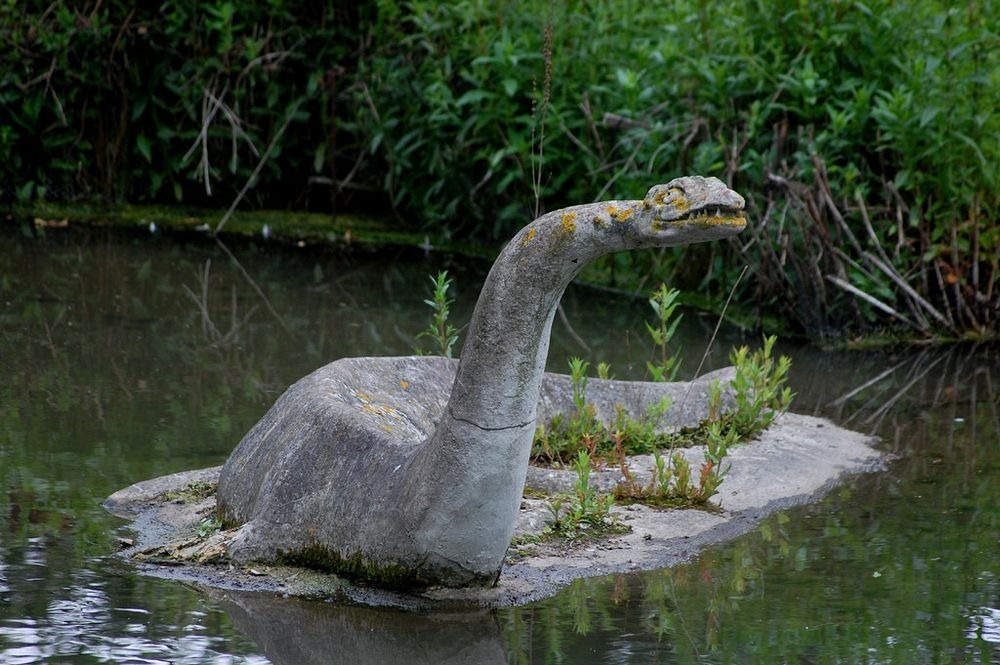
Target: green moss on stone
x: 192, y: 493
x: 354, y: 566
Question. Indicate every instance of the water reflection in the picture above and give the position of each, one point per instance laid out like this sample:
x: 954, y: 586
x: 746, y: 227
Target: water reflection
x: 985, y: 625
x: 291, y: 631
x: 83, y: 621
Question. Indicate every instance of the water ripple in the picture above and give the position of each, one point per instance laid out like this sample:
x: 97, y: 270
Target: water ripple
x: 83, y: 621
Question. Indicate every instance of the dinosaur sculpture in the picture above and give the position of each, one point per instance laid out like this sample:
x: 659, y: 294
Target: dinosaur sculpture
x: 372, y: 467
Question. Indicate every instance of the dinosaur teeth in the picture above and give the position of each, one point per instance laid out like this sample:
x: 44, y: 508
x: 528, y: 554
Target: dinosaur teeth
x: 713, y: 215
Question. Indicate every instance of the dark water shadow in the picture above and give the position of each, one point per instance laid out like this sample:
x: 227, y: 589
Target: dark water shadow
x: 292, y: 631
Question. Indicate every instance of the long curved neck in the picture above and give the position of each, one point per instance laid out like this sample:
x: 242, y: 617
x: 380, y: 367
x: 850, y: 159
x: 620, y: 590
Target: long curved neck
x: 459, y: 498
x: 503, y: 358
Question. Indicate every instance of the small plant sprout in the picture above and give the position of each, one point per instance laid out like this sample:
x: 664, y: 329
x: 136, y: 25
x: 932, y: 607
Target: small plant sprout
x: 714, y: 401
x: 208, y: 525
x: 555, y: 506
x: 717, y: 447
x: 682, y: 475
x: 585, y: 511
x: 442, y: 333
x: 759, y: 389
x: 659, y: 483
x: 578, y: 374
x: 663, y: 302
x: 586, y: 505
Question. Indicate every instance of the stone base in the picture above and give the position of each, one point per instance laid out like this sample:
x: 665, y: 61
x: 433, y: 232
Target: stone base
x: 795, y: 462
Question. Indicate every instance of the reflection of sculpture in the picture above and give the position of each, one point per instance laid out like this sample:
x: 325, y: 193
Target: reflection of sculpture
x: 291, y: 631
x: 370, y: 467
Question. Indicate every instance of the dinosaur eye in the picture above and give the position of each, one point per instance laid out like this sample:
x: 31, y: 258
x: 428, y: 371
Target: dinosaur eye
x: 663, y: 195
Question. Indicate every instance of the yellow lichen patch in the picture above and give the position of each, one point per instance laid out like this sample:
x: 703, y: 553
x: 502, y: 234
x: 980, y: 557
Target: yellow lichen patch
x: 404, y: 384
x: 706, y: 220
x: 569, y: 222
x: 386, y: 428
x: 601, y: 221
x: 381, y: 411
x: 679, y: 201
x: 529, y: 235
x: 622, y: 214
x: 730, y: 221
x: 375, y: 409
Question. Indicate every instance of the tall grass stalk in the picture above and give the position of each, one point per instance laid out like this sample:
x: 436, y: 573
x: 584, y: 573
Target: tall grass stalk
x: 442, y: 334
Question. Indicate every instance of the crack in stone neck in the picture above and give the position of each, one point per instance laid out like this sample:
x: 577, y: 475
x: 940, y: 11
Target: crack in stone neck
x: 489, y: 429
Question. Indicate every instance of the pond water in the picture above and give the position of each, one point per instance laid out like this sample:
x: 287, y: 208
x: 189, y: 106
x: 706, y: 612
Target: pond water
x: 127, y: 357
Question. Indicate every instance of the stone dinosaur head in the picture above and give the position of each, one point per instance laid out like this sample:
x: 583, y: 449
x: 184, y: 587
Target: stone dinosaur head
x: 697, y: 207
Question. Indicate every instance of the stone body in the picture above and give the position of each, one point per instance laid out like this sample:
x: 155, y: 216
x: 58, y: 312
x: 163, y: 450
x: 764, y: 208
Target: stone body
x: 377, y: 468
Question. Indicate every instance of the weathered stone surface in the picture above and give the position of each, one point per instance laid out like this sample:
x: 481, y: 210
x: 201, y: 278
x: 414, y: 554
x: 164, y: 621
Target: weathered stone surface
x: 378, y: 468
x: 134, y: 499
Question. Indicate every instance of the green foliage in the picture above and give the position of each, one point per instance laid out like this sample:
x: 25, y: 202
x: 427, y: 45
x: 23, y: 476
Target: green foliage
x: 169, y: 102
x: 442, y: 334
x: 862, y: 134
x: 758, y: 392
x: 209, y: 525
x: 584, y: 512
x: 807, y: 108
x: 671, y: 484
x: 192, y: 493
x: 664, y: 302
x: 759, y: 395
x: 759, y: 389
x: 565, y: 436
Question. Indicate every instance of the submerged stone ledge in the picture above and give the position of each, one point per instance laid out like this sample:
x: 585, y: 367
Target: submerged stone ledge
x: 795, y: 462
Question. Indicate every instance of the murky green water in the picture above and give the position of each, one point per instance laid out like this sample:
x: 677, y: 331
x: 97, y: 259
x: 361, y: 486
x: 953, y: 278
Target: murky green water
x: 125, y: 358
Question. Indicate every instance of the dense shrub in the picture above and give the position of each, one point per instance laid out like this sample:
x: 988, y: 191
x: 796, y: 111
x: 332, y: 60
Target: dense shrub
x: 172, y: 101
x: 827, y: 114
x: 864, y: 135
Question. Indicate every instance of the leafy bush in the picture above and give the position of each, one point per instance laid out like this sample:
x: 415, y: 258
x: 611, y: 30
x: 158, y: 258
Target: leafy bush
x: 171, y: 102
x: 863, y: 134
x: 759, y: 389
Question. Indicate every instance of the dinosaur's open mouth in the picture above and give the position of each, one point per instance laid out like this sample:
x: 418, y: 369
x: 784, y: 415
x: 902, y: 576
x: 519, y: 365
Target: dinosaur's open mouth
x: 714, y: 215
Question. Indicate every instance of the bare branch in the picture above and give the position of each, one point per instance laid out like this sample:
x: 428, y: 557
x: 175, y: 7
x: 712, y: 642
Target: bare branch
x: 901, y: 283
x: 872, y: 300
